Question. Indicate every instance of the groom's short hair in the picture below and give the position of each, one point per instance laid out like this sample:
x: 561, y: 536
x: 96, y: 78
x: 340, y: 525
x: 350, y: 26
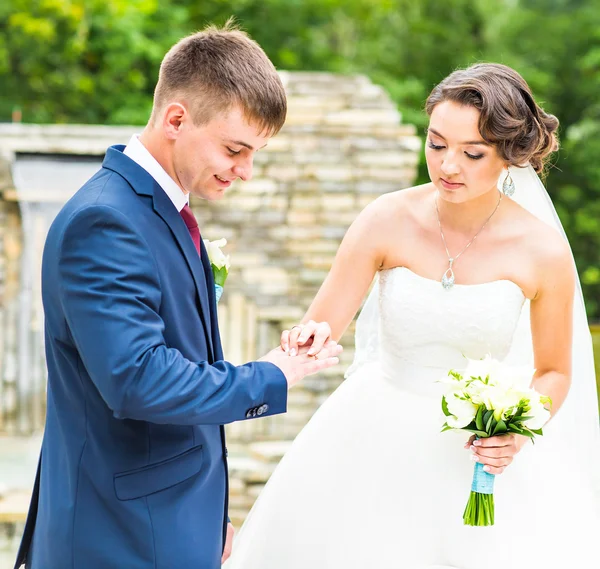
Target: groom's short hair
x: 213, y: 70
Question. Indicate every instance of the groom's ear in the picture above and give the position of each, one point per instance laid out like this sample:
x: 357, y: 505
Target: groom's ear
x: 174, y: 117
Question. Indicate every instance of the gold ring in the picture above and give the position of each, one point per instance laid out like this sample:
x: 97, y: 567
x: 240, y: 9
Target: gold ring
x: 296, y: 326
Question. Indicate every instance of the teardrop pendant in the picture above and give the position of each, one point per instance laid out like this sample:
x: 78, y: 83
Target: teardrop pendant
x: 448, y: 278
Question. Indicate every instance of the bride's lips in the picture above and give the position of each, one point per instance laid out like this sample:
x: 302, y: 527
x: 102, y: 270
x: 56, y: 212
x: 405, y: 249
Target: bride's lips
x: 450, y: 185
x: 222, y: 182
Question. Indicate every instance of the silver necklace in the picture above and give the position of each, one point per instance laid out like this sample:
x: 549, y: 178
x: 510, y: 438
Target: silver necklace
x: 448, y: 276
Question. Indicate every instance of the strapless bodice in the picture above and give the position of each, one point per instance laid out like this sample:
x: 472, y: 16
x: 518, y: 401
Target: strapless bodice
x: 422, y: 325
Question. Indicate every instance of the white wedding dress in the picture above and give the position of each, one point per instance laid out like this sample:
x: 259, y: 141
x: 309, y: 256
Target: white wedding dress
x: 372, y: 483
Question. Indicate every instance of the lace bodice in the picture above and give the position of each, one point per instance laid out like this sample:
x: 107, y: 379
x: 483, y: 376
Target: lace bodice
x: 422, y: 324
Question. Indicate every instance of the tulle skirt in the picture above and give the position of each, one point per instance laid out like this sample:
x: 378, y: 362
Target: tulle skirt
x: 371, y: 482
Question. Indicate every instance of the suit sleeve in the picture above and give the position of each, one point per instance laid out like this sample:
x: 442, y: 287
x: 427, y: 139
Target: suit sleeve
x: 111, y: 295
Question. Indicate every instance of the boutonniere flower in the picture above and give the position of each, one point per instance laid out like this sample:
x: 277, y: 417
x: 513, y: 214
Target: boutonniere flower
x: 219, y: 263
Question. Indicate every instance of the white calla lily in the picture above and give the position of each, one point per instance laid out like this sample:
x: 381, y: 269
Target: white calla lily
x: 215, y: 255
x: 462, y: 411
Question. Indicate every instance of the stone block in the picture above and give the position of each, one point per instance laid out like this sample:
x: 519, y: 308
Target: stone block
x: 362, y: 201
x: 301, y: 218
x: 342, y: 218
x: 284, y: 172
x: 256, y: 275
x: 306, y: 233
x: 244, y: 259
x: 333, y: 232
x: 360, y: 117
x: 259, y: 186
x: 249, y: 203
x: 305, y: 202
x: 330, y: 173
x: 297, y: 104
x: 340, y: 202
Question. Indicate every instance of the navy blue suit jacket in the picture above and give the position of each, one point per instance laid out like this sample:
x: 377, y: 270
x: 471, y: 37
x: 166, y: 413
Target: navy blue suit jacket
x: 133, y: 470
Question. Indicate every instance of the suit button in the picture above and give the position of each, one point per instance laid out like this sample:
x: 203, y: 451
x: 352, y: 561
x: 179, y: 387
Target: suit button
x: 255, y: 412
x: 249, y: 414
x: 264, y: 408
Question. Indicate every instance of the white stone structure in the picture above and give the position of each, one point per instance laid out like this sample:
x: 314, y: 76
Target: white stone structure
x: 342, y: 146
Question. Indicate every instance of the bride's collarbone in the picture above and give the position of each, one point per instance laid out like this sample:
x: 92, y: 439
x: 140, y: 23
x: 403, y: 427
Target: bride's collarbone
x: 482, y: 267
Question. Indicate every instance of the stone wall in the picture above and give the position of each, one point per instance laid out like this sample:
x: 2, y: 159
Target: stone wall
x: 11, y: 238
x: 342, y: 146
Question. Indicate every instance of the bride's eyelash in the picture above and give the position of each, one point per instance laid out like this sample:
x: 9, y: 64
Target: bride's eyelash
x: 434, y: 146
x: 232, y: 152
x: 471, y: 156
x: 475, y: 156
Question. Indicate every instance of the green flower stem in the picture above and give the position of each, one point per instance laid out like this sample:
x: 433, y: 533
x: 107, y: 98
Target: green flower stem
x: 479, y: 510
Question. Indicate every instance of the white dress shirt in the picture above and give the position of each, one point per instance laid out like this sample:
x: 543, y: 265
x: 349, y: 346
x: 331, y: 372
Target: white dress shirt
x: 140, y: 155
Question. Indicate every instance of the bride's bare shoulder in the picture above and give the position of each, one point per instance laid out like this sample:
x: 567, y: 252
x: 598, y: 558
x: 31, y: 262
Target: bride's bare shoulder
x: 544, y: 243
x: 396, y: 206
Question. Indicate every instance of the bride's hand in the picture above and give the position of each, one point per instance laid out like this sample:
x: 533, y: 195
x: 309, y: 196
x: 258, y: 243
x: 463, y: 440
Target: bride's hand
x: 299, y: 335
x: 496, y: 453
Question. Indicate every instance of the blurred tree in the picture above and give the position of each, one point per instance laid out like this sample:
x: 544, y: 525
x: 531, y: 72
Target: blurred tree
x: 555, y: 45
x: 89, y: 61
x: 96, y: 61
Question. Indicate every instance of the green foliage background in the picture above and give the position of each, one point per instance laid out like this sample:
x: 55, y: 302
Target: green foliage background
x: 96, y: 61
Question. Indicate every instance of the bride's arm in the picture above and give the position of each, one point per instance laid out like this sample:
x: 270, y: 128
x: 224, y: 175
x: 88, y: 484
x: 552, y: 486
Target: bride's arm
x: 359, y: 256
x: 552, y: 324
x: 552, y: 334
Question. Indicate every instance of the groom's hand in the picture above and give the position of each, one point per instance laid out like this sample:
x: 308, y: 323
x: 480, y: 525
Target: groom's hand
x: 228, y: 543
x: 301, y: 334
x: 296, y: 367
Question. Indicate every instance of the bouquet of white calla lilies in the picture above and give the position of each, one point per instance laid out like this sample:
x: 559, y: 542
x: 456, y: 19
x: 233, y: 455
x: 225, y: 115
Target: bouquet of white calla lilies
x: 491, y: 398
x: 219, y: 263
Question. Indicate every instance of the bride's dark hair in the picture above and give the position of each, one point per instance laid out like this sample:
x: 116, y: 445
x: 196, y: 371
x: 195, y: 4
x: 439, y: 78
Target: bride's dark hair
x: 510, y: 119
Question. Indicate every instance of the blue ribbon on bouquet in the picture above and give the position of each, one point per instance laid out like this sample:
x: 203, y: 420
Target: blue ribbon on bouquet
x: 483, y: 482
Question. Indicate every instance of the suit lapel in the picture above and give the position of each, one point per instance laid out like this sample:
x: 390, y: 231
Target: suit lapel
x: 216, y: 339
x: 144, y: 184
x: 165, y: 208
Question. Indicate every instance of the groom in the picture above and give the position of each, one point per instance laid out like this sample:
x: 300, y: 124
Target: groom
x: 133, y: 470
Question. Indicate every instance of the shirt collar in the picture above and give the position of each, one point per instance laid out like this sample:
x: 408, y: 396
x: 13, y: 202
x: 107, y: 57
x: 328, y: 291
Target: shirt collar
x: 140, y: 155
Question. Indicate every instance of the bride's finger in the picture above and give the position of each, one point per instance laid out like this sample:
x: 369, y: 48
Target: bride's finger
x: 321, y: 337
x: 492, y: 452
x: 499, y: 462
x: 295, y: 332
x: 497, y: 441
x: 285, y: 341
x: 308, y: 331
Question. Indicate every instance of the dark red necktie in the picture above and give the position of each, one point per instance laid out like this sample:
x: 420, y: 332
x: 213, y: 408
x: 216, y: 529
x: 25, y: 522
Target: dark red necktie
x: 192, y: 225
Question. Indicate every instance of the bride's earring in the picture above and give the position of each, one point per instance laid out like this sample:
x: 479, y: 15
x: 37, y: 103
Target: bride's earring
x: 508, y: 186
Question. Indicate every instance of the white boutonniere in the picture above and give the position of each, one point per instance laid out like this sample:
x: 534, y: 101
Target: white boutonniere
x: 219, y: 263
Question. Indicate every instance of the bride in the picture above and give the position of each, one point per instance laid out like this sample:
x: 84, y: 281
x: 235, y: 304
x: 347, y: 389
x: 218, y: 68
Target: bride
x: 464, y: 270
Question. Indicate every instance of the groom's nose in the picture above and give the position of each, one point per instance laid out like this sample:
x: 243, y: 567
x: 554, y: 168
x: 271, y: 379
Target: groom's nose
x: 243, y: 169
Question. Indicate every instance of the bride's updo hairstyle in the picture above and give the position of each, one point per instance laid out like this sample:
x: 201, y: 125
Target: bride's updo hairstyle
x: 510, y: 118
